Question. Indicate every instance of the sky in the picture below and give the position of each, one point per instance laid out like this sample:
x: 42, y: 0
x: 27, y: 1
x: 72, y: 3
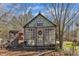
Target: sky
x: 35, y: 7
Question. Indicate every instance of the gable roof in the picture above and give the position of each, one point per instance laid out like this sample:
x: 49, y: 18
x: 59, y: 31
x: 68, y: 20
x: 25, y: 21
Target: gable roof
x: 36, y: 17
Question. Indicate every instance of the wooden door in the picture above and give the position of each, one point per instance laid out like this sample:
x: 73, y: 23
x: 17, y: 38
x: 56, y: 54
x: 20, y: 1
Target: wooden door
x: 40, y: 35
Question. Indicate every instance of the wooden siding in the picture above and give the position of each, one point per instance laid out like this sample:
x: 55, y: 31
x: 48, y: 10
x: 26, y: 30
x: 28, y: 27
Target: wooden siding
x: 41, y: 20
x: 47, y: 28
x: 47, y: 38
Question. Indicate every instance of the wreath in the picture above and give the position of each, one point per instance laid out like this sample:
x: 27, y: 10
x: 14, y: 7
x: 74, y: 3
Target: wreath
x: 39, y: 32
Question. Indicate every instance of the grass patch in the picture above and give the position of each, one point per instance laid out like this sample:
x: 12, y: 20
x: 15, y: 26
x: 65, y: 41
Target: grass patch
x: 67, y: 44
x: 68, y: 48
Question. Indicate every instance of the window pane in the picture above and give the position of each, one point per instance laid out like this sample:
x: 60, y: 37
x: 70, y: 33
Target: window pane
x: 39, y: 24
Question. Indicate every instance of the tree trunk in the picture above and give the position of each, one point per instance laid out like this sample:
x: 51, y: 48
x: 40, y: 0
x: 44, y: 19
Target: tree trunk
x: 61, y: 42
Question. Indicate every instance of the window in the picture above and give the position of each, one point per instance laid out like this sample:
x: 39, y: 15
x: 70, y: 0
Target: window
x: 39, y: 24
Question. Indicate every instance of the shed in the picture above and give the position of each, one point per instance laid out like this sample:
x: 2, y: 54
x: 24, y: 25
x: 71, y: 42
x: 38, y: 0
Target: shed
x: 40, y: 33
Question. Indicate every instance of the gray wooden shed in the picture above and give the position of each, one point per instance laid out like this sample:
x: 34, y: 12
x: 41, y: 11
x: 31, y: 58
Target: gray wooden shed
x: 40, y: 33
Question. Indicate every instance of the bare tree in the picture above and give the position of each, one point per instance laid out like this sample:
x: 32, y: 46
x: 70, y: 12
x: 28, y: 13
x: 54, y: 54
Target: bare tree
x: 21, y: 19
x: 63, y: 15
x: 4, y: 21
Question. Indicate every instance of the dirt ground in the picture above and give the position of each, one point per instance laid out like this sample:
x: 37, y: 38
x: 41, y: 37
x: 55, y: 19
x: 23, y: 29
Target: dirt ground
x: 30, y: 53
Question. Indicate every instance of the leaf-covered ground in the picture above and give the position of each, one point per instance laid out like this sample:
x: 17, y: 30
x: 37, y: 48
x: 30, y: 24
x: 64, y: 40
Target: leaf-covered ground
x: 67, y: 50
x: 29, y: 53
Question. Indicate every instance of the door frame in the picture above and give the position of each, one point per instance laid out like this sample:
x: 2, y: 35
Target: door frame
x: 38, y: 29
